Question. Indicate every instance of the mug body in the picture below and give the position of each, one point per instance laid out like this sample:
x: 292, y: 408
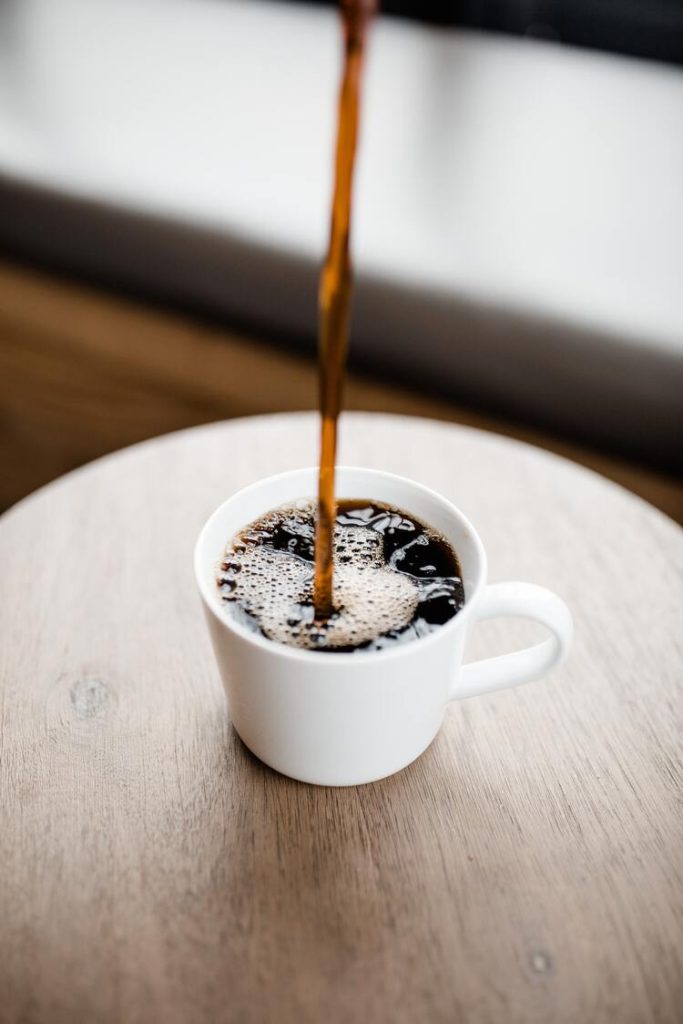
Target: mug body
x: 325, y: 718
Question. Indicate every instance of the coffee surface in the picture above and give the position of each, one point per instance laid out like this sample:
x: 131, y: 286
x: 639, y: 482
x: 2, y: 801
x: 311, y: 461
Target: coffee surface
x: 395, y: 579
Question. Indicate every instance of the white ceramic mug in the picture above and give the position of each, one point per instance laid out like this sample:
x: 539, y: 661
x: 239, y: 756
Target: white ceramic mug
x: 344, y: 719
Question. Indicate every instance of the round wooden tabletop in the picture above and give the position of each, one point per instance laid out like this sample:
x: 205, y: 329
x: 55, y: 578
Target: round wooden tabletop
x: 527, y: 868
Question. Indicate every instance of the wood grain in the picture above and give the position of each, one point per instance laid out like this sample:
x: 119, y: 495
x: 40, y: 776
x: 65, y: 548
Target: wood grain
x: 83, y: 373
x: 527, y: 868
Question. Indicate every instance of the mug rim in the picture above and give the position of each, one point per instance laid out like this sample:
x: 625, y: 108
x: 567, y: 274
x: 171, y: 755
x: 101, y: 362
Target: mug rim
x: 263, y: 643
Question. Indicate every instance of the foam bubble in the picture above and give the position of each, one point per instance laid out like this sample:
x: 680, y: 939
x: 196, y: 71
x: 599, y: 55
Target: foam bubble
x: 275, y: 586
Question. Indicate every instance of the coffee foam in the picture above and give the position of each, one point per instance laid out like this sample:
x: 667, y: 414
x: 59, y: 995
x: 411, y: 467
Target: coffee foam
x: 276, y: 588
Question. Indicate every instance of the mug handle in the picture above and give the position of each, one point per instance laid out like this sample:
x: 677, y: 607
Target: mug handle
x: 528, y: 601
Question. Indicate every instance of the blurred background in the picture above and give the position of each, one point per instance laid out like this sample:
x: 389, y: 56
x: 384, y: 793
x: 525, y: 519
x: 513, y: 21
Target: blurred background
x: 165, y: 175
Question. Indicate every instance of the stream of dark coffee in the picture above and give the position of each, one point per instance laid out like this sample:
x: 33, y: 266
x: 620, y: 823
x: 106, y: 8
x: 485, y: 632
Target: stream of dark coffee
x: 335, y: 294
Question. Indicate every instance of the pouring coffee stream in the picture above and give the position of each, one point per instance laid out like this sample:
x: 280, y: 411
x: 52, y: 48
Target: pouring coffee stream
x: 335, y: 295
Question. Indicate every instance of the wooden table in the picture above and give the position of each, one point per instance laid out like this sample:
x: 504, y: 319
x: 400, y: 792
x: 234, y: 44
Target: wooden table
x: 527, y: 868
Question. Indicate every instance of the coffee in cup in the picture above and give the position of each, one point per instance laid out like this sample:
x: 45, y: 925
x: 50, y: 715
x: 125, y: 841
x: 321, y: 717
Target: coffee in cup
x: 395, y: 578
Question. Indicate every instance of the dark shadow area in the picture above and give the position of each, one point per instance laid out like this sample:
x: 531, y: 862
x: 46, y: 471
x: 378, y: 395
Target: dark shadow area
x: 652, y: 29
x: 210, y: 274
